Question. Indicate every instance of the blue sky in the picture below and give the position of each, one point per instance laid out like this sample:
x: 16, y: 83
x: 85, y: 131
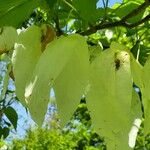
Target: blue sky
x: 111, y: 2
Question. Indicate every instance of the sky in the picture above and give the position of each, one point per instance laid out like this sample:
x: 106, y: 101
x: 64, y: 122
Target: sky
x: 111, y: 2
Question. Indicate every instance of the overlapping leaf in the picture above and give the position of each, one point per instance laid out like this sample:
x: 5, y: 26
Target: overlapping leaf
x: 146, y: 95
x: 26, y: 54
x: 109, y: 98
x: 137, y: 71
x: 54, y: 60
x: 70, y: 85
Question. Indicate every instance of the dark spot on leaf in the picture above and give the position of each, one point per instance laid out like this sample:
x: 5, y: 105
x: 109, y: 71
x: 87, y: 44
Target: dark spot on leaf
x: 117, y: 64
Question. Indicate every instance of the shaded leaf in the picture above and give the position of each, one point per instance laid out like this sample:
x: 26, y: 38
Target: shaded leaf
x: 13, y: 13
x: 12, y: 116
x: 1, y: 131
x: 5, y: 132
x: 70, y: 85
x: 146, y: 95
x: 140, y: 52
x: 84, y: 9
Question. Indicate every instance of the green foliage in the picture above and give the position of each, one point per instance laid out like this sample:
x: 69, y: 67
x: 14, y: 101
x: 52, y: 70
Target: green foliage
x: 75, y: 73
x: 11, y: 115
x: 13, y: 13
x: 41, y: 139
x: 78, y: 134
x: 75, y: 64
x: 140, y: 52
x: 84, y: 11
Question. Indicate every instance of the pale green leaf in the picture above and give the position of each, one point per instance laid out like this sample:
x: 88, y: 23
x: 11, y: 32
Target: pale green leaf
x: 146, y: 95
x: 25, y: 56
x: 136, y: 111
x: 109, y: 99
x: 50, y: 65
x: 70, y: 85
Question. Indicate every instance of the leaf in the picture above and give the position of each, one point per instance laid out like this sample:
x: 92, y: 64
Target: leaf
x: 135, y: 50
x: 136, y: 70
x: 54, y: 59
x: 109, y: 98
x: 143, y: 54
x: 140, y: 52
x: 126, y: 8
x: 5, y: 132
x: 1, y: 132
x: 51, y: 3
x: 25, y: 56
x: 146, y: 95
x: 70, y: 85
x: 8, y: 37
x: 136, y: 111
x: 13, y: 13
x: 84, y: 9
x: 12, y: 116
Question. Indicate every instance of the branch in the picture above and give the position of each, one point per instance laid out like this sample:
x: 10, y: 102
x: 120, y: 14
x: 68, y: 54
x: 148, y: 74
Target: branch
x: 122, y: 22
x: 145, y: 19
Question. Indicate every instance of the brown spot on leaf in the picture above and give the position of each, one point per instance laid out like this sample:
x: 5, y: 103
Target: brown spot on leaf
x: 48, y: 35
